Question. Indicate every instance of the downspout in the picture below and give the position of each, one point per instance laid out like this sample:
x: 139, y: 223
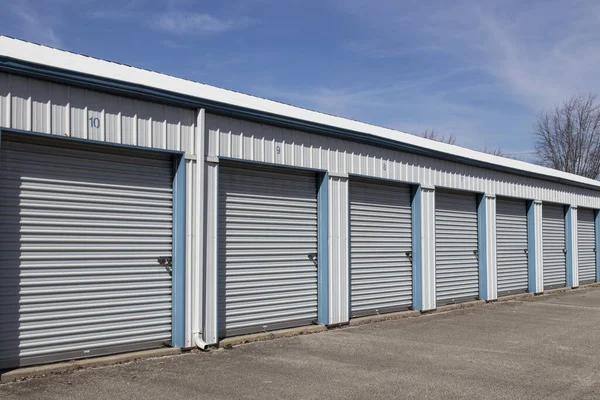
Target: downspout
x: 201, y: 344
x: 198, y: 229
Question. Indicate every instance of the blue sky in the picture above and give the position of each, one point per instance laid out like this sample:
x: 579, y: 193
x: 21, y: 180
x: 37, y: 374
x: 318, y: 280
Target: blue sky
x: 478, y: 70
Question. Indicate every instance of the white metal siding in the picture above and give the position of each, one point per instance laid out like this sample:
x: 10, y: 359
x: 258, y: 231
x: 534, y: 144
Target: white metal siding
x: 553, y: 231
x: 380, y: 247
x: 586, y: 241
x: 46, y: 107
x: 245, y: 140
x: 456, y: 263
x: 511, y: 245
x: 267, y: 232
x: 80, y: 234
x: 339, y: 257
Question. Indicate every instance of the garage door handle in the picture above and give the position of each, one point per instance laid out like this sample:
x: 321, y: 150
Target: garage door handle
x: 166, y: 262
x: 409, y: 255
x: 525, y: 251
x: 565, y: 250
x: 313, y: 257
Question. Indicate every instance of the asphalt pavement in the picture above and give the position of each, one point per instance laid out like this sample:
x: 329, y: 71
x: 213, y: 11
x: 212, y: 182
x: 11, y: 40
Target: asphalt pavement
x: 545, y: 347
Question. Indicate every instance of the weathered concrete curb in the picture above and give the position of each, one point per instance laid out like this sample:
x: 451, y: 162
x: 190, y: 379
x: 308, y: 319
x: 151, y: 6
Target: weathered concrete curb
x: 517, y: 296
x: 459, y: 306
x: 258, y: 337
x: 383, y: 317
x: 557, y: 290
x: 43, y: 370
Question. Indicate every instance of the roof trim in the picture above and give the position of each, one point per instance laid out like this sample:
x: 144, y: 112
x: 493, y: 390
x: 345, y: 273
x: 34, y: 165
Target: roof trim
x: 42, y: 62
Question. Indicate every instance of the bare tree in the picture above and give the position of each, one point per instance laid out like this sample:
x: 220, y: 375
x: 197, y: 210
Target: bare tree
x: 497, y: 151
x: 434, y: 134
x: 567, y: 138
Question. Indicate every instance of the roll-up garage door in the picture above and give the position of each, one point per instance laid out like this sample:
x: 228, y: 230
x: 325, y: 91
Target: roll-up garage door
x: 267, y: 243
x: 511, y: 245
x: 456, y: 262
x: 554, y: 246
x: 80, y: 234
x: 586, y: 242
x: 380, y: 248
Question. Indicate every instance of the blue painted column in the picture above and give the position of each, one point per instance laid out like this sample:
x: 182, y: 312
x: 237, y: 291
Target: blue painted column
x: 535, y: 246
x: 486, y: 238
x: 423, y: 248
x: 323, y: 249
x: 178, y: 255
x: 572, y: 250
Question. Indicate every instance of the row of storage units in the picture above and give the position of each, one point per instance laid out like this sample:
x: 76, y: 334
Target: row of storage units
x: 139, y: 210
x: 86, y: 242
x: 268, y: 246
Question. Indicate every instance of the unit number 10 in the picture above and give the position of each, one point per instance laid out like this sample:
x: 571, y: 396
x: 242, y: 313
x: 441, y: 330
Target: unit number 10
x: 94, y: 122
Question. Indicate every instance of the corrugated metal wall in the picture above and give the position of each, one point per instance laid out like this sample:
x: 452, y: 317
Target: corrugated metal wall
x: 512, y: 251
x: 45, y: 107
x: 456, y: 247
x: 245, y: 140
x: 338, y: 250
x: 586, y: 240
x: 267, y: 250
x: 80, y: 234
x: 553, y: 227
x: 380, y: 247
x: 424, y: 287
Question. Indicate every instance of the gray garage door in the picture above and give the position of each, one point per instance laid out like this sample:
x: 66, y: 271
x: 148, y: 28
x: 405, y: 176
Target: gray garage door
x: 381, y: 242
x: 80, y: 233
x: 554, y: 246
x: 586, y: 242
x: 511, y: 245
x: 456, y: 263
x: 267, y: 238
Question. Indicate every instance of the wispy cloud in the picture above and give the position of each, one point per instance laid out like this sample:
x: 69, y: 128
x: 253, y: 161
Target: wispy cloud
x: 410, y: 106
x: 542, y: 52
x: 185, y: 23
x: 528, y: 55
x: 172, y: 44
x: 547, y: 54
x: 36, y: 27
x: 175, y: 20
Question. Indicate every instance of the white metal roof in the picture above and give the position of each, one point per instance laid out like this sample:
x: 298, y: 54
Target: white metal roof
x: 35, y: 53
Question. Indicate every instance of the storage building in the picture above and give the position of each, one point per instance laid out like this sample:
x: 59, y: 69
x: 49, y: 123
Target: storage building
x: 140, y: 210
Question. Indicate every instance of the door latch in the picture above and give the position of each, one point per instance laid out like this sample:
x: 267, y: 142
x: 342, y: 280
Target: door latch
x: 166, y: 262
x: 314, y: 258
x: 476, y: 253
x: 409, y: 255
